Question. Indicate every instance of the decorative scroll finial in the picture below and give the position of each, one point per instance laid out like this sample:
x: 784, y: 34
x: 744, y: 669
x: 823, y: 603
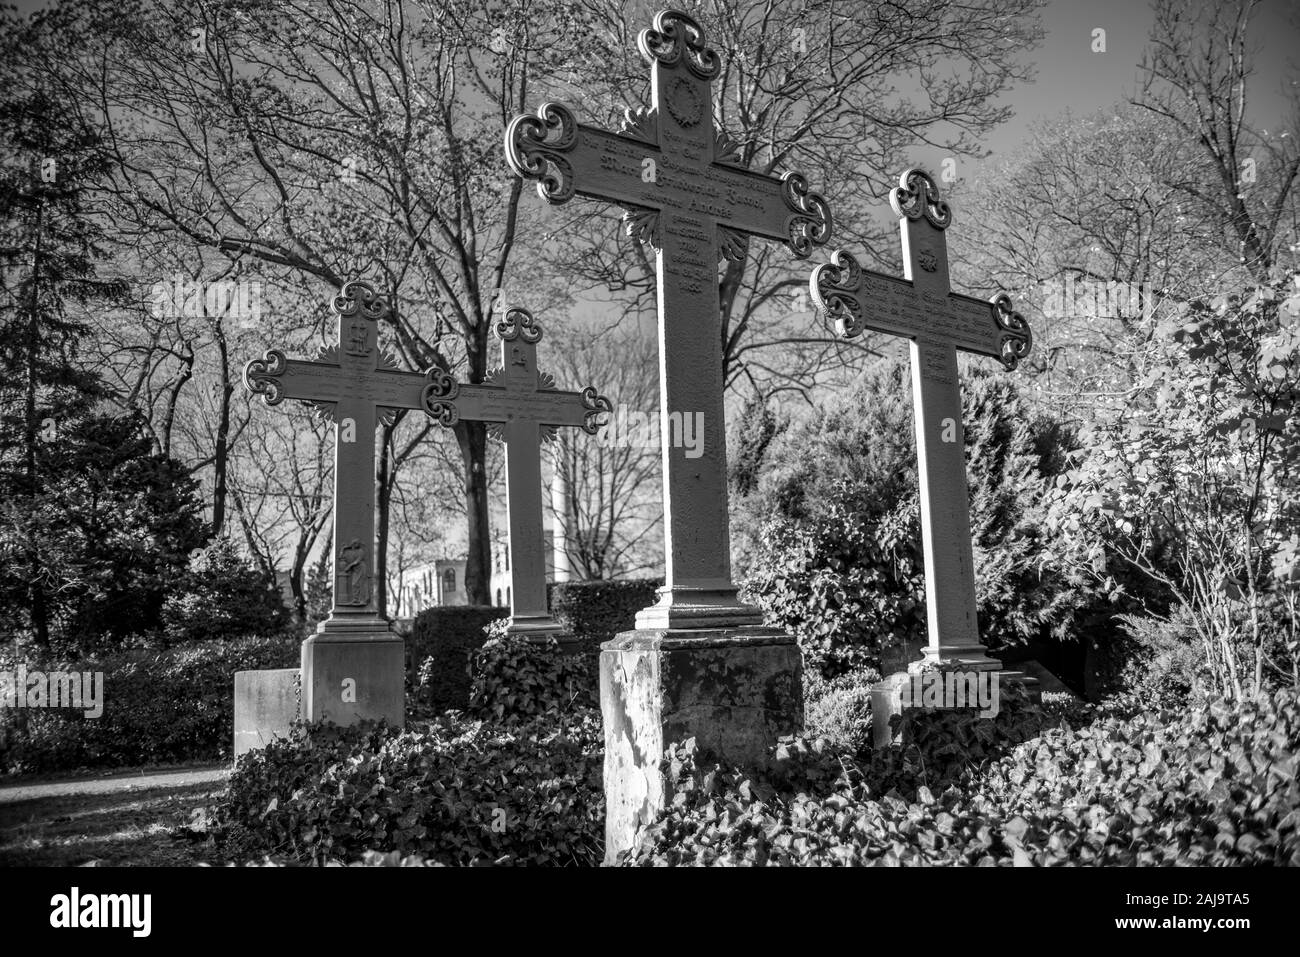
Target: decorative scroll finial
x: 677, y: 38
x: 835, y: 288
x: 811, y: 224
x: 596, y: 405
x: 358, y: 298
x: 438, y: 398
x: 917, y: 196
x: 1018, y: 338
x: 519, y: 324
x: 534, y: 153
x: 262, y: 376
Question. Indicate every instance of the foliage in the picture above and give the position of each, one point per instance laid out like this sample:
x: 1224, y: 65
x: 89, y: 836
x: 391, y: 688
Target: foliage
x: 438, y: 651
x: 159, y: 707
x: 832, y: 535
x: 1192, y: 479
x: 116, y: 522
x: 514, y: 678
x: 49, y: 249
x: 599, y: 610
x: 1211, y: 785
x: 839, y: 710
x: 454, y: 792
x: 222, y: 595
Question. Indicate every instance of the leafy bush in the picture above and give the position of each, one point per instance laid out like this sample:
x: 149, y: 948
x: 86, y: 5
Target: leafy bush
x: 514, y: 678
x: 438, y: 651
x: 839, y: 710
x: 830, y: 540
x: 599, y: 610
x: 453, y: 792
x: 223, y: 595
x: 1212, y: 785
x: 1191, y: 477
x: 169, y: 706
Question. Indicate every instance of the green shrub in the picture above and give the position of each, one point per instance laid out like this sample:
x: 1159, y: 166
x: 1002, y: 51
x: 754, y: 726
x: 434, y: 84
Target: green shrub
x: 438, y: 653
x: 1212, y: 784
x: 223, y: 595
x: 599, y: 610
x: 454, y: 792
x: 159, y: 707
x: 514, y: 678
x: 830, y: 540
x: 839, y: 710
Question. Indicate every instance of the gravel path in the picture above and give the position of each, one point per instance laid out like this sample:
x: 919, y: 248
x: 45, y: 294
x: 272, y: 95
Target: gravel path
x: 115, y: 819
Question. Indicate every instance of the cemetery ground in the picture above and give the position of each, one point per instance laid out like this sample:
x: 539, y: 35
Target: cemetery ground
x: 761, y: 664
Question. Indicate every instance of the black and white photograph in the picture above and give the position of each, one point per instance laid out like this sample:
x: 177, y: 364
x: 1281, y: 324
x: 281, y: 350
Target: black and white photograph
x: 613, y: 434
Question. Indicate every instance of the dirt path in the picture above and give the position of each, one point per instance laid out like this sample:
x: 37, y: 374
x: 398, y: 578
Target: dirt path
x: 119, y: 819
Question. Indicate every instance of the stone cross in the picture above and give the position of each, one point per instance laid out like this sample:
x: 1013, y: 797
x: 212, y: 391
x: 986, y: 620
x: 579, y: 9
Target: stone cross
x: 677, y: 176
x: 524, y: 409
x: 922, y: 307
x: 358, y: 388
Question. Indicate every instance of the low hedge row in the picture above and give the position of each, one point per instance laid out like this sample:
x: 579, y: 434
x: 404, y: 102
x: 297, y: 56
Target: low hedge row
x: 599, y: 610
x: 159, y: 707
x: 455, y: 791
x: 1211, y: 785
x: 439, y: 647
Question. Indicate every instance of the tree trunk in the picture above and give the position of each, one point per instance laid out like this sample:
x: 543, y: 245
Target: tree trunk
x: 221, y: 452
x: 472, y: 438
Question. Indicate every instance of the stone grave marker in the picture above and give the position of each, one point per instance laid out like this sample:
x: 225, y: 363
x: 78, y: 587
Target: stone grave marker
x: 922, y: 307
x: 524, y: 409
x: 353, y: 668
x: 699, y: 662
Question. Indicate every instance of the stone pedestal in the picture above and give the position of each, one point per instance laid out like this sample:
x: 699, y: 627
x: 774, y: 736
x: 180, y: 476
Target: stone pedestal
x: 266, y: 706
x: 735, y: 690
x: 349, y: 677
x: 887, y: 697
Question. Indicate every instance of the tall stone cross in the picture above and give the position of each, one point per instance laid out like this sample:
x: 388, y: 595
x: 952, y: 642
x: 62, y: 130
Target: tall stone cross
x: 922, y: 307
x: 677, y: 177
x: 353, y: 666
x: 523, y: 409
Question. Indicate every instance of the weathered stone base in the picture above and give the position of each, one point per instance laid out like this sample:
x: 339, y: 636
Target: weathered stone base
x: 887, y: 697
x: 346, y: 679
x: 685, y: 607
x: 734, y: 690
x: 534, y: 628
x: 266, y: 705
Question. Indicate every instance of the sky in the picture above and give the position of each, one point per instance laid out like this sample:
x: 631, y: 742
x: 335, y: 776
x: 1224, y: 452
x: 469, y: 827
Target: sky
x: 1070, y: 76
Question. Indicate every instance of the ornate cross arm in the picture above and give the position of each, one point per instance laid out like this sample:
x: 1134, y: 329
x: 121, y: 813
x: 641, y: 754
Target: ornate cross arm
x: 669, y: 159
x: 857, y: 299
x: 516, y: 391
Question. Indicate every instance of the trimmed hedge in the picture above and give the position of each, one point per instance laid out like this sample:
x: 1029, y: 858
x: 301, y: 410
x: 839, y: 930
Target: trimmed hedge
x: 596, y: 611
x: 159, y: 707
x: 449, y: 635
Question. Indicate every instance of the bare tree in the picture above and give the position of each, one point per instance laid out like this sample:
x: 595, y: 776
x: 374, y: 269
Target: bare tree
x: 1196, y: 74
x: 329, y: 141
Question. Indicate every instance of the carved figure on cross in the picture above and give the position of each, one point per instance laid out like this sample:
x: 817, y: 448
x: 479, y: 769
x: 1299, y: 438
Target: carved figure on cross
x: 358, y: 388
